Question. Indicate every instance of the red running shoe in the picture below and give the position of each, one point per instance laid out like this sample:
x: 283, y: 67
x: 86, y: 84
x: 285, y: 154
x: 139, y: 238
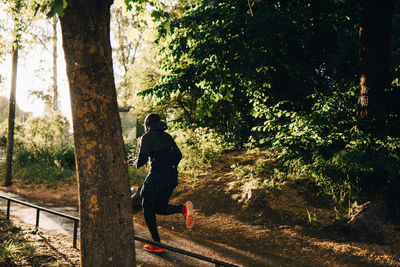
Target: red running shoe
x: 153, y: 248
x: 188, y: 214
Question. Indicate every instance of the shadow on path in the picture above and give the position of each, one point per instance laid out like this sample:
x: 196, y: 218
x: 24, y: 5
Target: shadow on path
x: 185, y: 241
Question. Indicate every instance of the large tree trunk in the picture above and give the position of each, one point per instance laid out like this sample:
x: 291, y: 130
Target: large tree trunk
x: 11, y: 118
x: 375, y: 31
x: 107, y: 236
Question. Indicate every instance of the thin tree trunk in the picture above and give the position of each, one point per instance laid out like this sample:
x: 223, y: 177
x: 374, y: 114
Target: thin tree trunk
x: 107, y: 235
x: 55, y: 86
x: 374, y: 33
x: 11, y: 119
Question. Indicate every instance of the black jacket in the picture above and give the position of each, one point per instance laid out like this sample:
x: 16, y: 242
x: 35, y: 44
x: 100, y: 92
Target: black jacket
x: 160, y: 149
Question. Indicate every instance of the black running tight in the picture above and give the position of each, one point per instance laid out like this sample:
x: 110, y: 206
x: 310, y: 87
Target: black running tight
x: 155, y: 201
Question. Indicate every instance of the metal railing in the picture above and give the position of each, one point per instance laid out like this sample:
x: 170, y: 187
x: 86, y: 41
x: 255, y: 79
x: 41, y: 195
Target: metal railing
x: 38, y: 209
x: 138, y: 238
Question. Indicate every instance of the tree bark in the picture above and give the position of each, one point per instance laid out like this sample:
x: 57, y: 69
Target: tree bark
x: 374, y: 34
x: 107, y: 236
x: 11, y: 118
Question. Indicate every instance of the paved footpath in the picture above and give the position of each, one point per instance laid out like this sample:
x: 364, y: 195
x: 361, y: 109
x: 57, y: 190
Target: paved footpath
x: 210, y: 249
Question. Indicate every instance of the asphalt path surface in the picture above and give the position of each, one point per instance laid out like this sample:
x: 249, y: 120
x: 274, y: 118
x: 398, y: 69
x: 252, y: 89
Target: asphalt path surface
x: 209, y: 249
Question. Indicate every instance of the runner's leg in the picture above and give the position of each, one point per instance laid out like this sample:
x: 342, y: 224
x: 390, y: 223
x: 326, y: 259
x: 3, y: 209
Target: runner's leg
x: 161, y: 206
x: 150, y: 195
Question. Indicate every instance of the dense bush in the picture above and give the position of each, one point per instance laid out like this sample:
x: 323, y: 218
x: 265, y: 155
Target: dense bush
x: 64, y: 156
x: 50, y: 165
x: 200, y: 148
x: 331, y: 145
x: 43, y: 149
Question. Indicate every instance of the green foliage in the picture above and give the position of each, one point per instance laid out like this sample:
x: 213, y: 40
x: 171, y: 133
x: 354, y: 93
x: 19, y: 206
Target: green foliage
x: 51, y: 7
x: 136, y: 62
x: 143, y: 74
x: 15, y: 251
x: 131, y: 149
x: 278, y: 69
x: 332, y: 146
x: 12, y: 248
x: 200, y: 148
x: 137, y: 176
x: 57, y: 7
x: 19, y: 16
x: 43, y: 150
x: 64, y: 156
x: 325, y: 127
x: 46, y: 165
x: 46, y: 131
x: 258, y: 175
x: 218, y: 59
x: 10, y: 251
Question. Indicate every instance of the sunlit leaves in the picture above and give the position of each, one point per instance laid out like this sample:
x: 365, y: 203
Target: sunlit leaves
x: 221, y: 59
x: 51, y: 7
x: 331, y: 145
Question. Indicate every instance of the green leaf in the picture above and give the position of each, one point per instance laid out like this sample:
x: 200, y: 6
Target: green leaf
x: 57, y: 7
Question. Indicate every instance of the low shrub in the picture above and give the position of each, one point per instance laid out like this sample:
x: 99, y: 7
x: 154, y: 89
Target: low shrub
x: 261, y: 173
x: 43, y: 150
x: 64, y: 156
x: 200, y: 148
x: 48, y: 165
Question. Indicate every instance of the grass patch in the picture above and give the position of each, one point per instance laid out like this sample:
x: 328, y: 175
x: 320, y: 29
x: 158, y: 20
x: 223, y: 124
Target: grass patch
x: 15, y: 250
x: 51, y: 176
x: 260, y: 172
